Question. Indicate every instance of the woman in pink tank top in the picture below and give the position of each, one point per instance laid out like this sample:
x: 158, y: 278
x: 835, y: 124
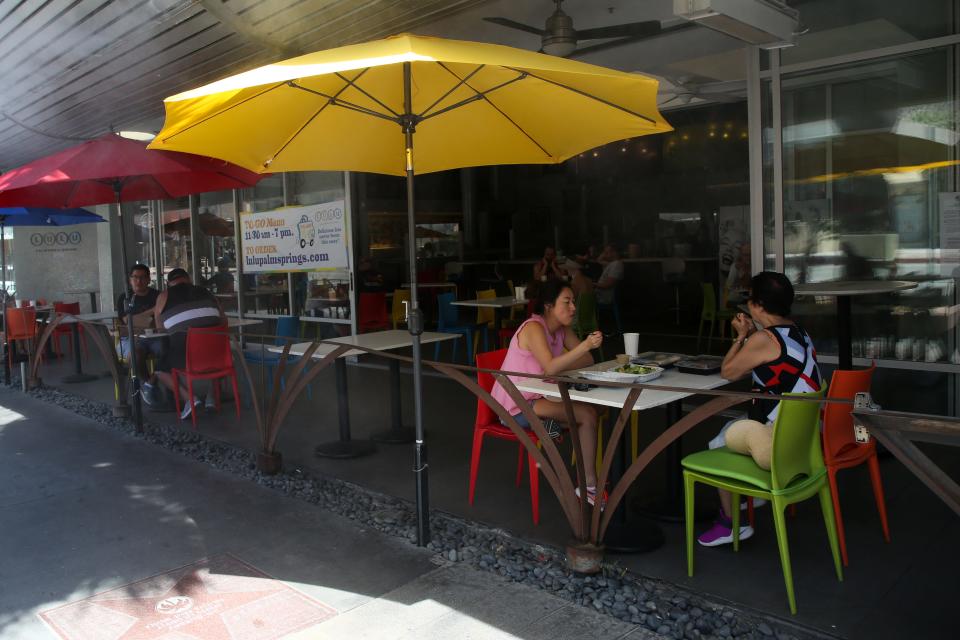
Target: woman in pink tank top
x: 546, y: 345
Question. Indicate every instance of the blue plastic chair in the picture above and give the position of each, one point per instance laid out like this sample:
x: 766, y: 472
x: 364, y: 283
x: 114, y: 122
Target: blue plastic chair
x: 448, y: 321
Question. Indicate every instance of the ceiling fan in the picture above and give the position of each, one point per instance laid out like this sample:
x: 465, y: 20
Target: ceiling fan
x: 559, y: 38
x: 686, y: 88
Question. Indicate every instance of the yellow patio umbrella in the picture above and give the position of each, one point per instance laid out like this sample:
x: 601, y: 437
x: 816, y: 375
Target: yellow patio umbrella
x: 360, y: 107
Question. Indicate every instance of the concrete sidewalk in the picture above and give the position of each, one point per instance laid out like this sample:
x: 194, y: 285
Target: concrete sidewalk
x: 85, y: 510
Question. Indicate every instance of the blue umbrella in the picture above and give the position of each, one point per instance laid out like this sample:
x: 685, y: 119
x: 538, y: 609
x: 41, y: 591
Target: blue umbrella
x: 38, y: 217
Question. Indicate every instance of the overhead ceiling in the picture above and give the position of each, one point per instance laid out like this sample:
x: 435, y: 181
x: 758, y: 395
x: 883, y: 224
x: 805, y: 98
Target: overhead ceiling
x: 75, y: 69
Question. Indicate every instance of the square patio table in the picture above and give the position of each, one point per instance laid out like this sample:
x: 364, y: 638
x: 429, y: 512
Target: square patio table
x: 388, y: 340
x: 74, y: 321
x: 499, y: 305
x: 624, y: 536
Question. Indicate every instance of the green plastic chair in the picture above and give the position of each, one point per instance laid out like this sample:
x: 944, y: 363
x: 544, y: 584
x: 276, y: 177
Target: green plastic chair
x: 585, y: 321
x: 797, y: 472
x: 712, y: 313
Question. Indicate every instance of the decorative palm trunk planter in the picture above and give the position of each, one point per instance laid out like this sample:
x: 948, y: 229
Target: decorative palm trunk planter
x: 269, y: 462
x: 584, y: 557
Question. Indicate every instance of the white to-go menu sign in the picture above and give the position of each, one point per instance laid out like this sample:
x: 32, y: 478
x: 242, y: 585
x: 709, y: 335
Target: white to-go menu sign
x: 307, y: 238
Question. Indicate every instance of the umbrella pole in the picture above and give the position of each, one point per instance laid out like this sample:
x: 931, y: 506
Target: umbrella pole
x: 3, y: 300
x: 128, y: 301
x: 415, y: 325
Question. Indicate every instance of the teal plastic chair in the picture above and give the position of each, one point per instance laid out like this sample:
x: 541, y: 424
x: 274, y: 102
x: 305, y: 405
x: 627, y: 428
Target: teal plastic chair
x: 448, y: 321
x: 797, y: 472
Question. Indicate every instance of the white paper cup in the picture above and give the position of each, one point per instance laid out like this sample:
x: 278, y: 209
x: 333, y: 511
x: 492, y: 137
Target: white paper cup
x: 518, y: 293
x: 19, y: 304
x: 630, y: 341
x: 148, y: 332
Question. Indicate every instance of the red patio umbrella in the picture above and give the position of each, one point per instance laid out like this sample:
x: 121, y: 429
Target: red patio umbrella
x: 116, y: 169
x: 112, y: 168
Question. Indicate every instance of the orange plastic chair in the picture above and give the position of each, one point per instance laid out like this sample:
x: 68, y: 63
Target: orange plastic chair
x: 69, y: 308
x: 372, y: 312
x: 21, y: 325
x: 208, y: 358
x: 488, y: 424
x: 841, y: 449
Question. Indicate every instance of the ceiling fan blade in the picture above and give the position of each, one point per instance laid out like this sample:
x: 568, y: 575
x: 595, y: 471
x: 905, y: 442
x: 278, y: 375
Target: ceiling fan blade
x: 611, y: 44
x: 513, y: 24
x: 630, y: 30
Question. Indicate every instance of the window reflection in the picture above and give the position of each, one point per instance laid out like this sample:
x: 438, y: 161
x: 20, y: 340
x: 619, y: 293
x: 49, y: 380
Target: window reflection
x: 868, y: 152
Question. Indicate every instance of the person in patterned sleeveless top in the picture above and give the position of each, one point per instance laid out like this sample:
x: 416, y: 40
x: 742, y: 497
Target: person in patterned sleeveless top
x: 781, y: 358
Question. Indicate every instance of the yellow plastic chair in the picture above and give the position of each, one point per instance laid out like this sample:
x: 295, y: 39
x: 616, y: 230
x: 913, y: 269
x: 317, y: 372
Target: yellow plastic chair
x: 486, y: 317
x: 397, y: 311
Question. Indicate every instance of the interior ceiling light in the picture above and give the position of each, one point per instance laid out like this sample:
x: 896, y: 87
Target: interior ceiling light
x: 137, y: 135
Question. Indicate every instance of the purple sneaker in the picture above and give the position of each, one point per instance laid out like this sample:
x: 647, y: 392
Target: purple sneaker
x: 722, y: 533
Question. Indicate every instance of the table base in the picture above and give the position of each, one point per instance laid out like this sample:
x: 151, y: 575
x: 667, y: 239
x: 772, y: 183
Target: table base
x: 395, y: 435
x: 636, y: 536
x: 345, y: 449
x: 665, y: 510
x: 78, y: 377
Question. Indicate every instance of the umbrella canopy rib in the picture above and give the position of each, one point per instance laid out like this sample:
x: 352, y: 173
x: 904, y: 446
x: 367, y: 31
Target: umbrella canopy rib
x: 479, y: 95
x: 331, y: 100
x: 423, y: 114
x: 337, y: 102
x: 353, y: 83
x: 482, y: 95
x: 587, y: 95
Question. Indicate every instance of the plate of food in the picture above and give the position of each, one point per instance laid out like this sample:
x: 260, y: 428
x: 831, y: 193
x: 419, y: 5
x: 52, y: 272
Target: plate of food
x: 625, y: 373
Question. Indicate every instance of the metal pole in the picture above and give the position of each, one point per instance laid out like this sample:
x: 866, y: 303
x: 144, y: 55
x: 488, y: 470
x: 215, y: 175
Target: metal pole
x: 415, y: 324
x: 134, y: 379
x: 3, y: 301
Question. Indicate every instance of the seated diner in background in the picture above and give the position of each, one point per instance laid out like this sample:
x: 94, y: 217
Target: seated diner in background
x: 144, y: 300
x: 545, y: 344
x: 611, y: 275
x: 547, y: 267
x: 738, y: 279
x: 579, y: 282
x: 181, y: 306
x: 782, y: 359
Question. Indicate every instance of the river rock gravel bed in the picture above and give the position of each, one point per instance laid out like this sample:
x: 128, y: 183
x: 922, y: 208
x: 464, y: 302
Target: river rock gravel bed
x: 666, y: 609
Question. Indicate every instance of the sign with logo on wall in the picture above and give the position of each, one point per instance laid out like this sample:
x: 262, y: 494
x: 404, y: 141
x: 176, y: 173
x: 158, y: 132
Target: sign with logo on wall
x: 57, y: 241
x: 310, y: 238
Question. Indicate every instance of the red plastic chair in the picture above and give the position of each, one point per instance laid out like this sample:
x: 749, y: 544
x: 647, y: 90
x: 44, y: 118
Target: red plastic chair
x: 208, y: 358
x: 372, y: 313
x: 68, y: 308
x: 488, y: 424
x: 20, y: 325
x: 841, y: 449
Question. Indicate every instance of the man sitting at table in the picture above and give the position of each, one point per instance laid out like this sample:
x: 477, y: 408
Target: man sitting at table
x: 611, y: 275
x: 781, y: 358
x: 144, y: 300
x: 547, y: 267
x: 181, y: 306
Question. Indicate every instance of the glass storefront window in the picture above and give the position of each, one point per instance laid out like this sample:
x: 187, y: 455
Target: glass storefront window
x: 176, y: 250
x: 324, y: 295
x: 868, y: 151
